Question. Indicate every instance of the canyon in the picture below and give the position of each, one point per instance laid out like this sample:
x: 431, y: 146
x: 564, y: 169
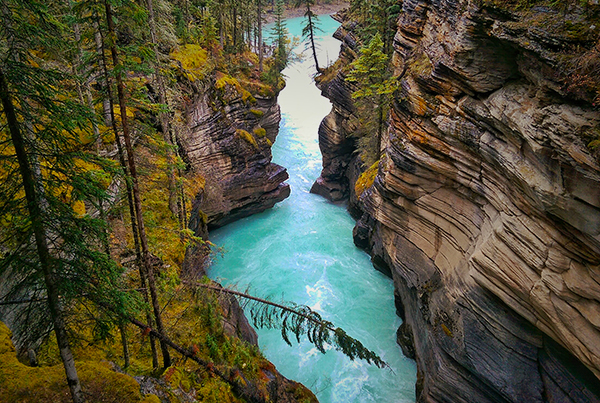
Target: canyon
x: 485, y: 209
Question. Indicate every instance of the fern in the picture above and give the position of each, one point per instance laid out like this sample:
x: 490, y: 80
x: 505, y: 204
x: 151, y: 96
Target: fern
x: 299, y: 320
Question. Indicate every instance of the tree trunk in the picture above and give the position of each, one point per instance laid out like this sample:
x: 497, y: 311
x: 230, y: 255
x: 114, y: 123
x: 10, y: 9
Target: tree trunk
x: 174, y: 195
x: 261, y: 55
x: 123, y: 331
x: 312, y: 37
x: 379, y: 125
x: 46, y: 261
x: 135, y: 186
x: 136, y: 240
x: 235, y: 29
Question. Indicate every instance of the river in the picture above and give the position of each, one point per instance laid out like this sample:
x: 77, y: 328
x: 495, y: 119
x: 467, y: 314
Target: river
x: 301, y: 250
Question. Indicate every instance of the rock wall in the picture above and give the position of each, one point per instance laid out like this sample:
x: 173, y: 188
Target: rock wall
x: 335, y: 131
x: 228, y: 141
x: 486, y: 206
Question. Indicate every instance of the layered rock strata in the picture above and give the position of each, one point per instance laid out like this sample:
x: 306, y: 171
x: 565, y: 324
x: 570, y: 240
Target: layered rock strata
x: 335, y: 131
x: 486, y: 206
x: 229, y: 142
x: 228, y: 139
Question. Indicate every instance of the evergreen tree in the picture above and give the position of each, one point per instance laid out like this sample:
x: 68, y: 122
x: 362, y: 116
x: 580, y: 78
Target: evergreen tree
x: 280, y: 38
x: 52, y: 248
x: 311, y: 26
x: 137, y: 200
x: 371, y: 73
x: 259, y: 28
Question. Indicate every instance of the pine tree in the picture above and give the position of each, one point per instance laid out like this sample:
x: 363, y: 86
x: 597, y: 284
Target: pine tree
x: 259, y: 28
x: 371, y: 73
x: 137, y: 201
x: 311, y: 26
x: 280, y: 38
x: 52, y: 179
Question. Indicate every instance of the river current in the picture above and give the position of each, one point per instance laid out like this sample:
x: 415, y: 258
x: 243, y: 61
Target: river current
x: 302, y: 251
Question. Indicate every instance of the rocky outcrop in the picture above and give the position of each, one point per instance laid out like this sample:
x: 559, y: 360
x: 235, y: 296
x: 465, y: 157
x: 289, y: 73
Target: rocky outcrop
x: 228, y: 140
x: 486, y: 206
x: 335, y: 131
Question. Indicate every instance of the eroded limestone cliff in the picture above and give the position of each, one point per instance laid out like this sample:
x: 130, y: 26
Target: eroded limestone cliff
x: 486, y: 206
x: 229, y: 138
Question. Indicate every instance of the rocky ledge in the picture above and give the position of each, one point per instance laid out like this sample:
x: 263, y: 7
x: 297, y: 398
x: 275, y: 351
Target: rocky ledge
x: 228, y: 141
x: 486, y: 206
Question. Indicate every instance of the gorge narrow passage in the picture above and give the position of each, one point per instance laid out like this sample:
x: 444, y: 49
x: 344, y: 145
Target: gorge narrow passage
x: 302, y: 251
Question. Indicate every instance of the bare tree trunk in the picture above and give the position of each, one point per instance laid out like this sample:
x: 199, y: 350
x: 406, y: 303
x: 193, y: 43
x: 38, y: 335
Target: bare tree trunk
x: 46, y: 261
x: 235, y: 28
x: 174, y: 202
x: 379, y: 125
x: 261, y: 54
x: 123, y: 331
x: 135, y: 186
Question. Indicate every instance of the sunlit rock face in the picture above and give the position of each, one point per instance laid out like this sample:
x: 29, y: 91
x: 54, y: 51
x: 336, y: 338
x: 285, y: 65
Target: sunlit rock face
x: 486, y: 208
x: 228, y: 141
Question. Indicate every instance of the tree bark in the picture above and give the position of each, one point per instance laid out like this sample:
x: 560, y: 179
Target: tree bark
x: 174, y: 194
x: 135, y: 187
x: 261, y: 54
x: 46, y: 261
x: 312, y: 37
x: 123, y: 331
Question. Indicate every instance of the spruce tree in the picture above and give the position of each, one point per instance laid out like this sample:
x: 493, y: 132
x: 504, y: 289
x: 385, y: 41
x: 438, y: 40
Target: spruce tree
x: 280, y: 38
x: 137, y: 200
x: 52, y: 180
x: 311, y: 26
x: 375, y: 84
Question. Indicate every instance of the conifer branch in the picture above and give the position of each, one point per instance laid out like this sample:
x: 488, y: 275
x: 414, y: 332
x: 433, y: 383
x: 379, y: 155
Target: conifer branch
x: 300, y: 320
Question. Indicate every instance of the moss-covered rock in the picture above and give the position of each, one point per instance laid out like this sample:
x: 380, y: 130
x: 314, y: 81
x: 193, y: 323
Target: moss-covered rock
x: 20, y: 383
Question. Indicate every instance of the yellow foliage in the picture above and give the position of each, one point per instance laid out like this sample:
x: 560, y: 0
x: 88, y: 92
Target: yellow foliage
x: 193, y: 60
x: 85, y: 136
x: 107, y: 136
x: 366, y: 179
x: 224, y: 80
x: 79, y: 208
x: 117, y: 110
x: 447, y: 331
x: 248, y: 137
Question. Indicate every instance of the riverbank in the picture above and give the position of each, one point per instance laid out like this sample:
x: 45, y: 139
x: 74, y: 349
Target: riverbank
x: 319, y: 9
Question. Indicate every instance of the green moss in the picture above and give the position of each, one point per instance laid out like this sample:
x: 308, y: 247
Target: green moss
x: 24, y: 384
x: 224, y: 80
x: 256, y: 112
x: 249, y: 138
x: 231, y: 88
x: 329, y: 73
x: 366, y: 179
x: 260, y: 132
x: 151, y: 399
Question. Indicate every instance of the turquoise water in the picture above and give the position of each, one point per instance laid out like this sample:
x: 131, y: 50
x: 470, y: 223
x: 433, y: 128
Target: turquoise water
x: 301, y: 250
